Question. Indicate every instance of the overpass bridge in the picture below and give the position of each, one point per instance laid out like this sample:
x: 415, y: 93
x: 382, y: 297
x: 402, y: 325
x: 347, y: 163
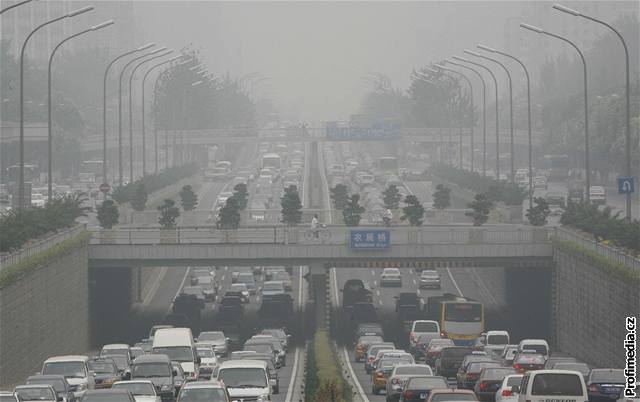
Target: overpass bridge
x: 426, y: 246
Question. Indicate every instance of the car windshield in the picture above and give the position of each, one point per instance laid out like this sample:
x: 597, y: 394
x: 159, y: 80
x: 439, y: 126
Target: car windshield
x: 136, y: 388
x: 112, y: 352
x: 458, y: 396
x: 246, y: 278
x: 615, y: 376
x: 425, y: 327
x: 243, y: 377
x: 429, y: 274
x: 36, y: 394
x: 556, y: 384
x: 497, y: 340
x: 105, y: 397
x: 463, y: 312
x: 497, y: 374
x: 388, y: 362
x: 476, y: 367
x: 515, y: 380
x: 67, y: 369
x: 121, y: 361
x: 176, y: 353
x: 147, y: 370
x: 455, y: 352
x: 202, y: 395
x: 211, y: 336
x: 57, y: 384
x: 238, y: 287
x: 103, y: 367
x: 259, y: 348
x: 426, y: 383
x: 273, y: 286
x: 540, y: 349
x: 205, y: 353
x: 413, y: 370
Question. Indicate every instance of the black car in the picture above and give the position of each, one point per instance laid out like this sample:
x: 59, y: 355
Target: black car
x: 489, y: 381
x: 158, y: 369
x: 605, y: 385
x: 417, y: 389
x: 58, y: 382
x: 106, y: 372
x: 450, y: 358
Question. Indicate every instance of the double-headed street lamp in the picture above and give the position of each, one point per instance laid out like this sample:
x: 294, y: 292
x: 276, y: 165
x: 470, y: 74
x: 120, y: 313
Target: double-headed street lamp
x: 586, y: 103
x: 471, y: 122
x: 22, y: 51
x: 104, y: 104
x: 133, y: 72
x: 120, y: 108
x: 50, y: 125
x: 511, y: 148
x: 484, y: 108
x: 526, y: 73
x: 627, y: 90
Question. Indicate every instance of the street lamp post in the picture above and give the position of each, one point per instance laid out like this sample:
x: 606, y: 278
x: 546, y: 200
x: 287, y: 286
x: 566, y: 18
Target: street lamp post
x: 133, y: 72
x: 526, y: 73
x: 506, y: 70
x: 484, y: 108
x: 120, y: 108
x: 155, y: 131
x: 586, y: 103
x: 104, y: 104
x: 628, y: 171
x: 471, y: 122
x: 495, y: 82
x: 49, y: 125
x: 22, y: 50
x: 14, y: 6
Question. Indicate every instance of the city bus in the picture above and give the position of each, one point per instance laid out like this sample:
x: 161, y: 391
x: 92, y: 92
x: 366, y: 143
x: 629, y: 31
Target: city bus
x: 271, y: 160
x: 461, y: 319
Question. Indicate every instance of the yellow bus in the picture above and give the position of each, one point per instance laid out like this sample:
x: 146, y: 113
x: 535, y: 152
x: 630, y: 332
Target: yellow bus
x: 460, y: 319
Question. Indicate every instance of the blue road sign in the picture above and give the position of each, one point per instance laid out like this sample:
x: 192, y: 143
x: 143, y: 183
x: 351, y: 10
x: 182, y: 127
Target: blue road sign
x: 626, y: 185
x: 370, y: 239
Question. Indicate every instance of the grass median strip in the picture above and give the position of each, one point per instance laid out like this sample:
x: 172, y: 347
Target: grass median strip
x: 324, y: 381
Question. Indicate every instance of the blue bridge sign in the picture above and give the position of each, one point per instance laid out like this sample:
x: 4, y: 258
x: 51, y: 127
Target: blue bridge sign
x: 370, y: 239
x: 626, y: 185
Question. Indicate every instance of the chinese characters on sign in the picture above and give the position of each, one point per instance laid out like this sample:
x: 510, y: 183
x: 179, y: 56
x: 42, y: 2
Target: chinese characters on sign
x: 370, y: 239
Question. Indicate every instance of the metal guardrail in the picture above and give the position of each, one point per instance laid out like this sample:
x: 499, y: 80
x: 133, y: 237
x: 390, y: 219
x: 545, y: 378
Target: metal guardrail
x: 332, y: 235
x: 38, y: 246
x: 611, y: 253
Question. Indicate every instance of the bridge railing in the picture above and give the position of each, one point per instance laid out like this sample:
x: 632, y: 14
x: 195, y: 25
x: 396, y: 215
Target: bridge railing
x: 611, y: 253
x: 332, y: 235
x: 38, y: 246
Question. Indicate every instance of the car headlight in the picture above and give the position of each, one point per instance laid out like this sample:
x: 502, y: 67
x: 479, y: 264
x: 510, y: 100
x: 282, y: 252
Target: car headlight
x: 264, y: 398
x: 166, y: 387
x: 81, y: 387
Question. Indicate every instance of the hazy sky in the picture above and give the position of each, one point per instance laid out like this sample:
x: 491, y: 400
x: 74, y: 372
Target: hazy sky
x: 315, y: 54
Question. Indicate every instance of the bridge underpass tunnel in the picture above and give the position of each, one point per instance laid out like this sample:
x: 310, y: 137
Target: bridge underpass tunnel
x: 528, y: 293
x: 110, y: 300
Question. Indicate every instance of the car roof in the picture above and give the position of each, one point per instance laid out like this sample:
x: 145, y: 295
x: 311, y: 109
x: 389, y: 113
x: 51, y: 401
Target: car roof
x: 46, y: 377
x: 67, y: 358
x: 203, y: 384
x: 26, y: 386
x: 243, y: 363
x: 134, y: 382
x: 115, y: 346
x: 451, y: 391
x: 152, y: 358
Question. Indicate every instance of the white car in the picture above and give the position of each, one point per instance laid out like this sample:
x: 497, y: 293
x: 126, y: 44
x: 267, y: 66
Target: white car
x: 429, y: 279
x: 505, y: 392
x: 208, y: 360
x: 391, y: 276
x: 142, y: 390
x: 202, y: 391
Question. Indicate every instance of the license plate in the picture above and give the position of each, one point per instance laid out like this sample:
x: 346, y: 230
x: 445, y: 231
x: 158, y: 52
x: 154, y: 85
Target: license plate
x: 423, y: 396
x: 611, y: 390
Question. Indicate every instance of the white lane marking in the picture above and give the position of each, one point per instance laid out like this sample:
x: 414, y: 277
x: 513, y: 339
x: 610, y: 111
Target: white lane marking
x: 296, y: 356
x: 186, y: 275
x: 414, y: 282
x: 373, y: 272
x: 226, y: 268
x: 454, y: 282
x: 222, y: 278
x: 347, y: 360
x: 380, y: 302
x: 154, y: 287
x: 375, y: 283
x: 378, y: 292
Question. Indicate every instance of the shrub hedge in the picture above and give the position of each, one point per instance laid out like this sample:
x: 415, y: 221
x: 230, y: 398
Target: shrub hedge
x: 154, y: 182
x: 324, y: 378
x: 509, y: 193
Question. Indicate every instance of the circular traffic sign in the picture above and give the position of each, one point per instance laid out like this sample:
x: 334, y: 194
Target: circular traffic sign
x: 105, y: 187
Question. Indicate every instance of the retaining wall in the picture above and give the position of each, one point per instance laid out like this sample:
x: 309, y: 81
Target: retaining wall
x: 590, y: 304
x: 44, y: 313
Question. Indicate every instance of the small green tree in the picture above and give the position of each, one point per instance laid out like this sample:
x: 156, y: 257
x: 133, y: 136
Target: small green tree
x: 241, y: 194
x: 413, y: 212
x: 442, y: 197
x: 108, y: 215
x: 139, y: 200
x: 391, y: 197
x: 291, y: 206
x: 339, y: 196
x: 538, y: 214
x: 352, y: 212
x: 168, y: 214
x: 481, y: 206
x: 188, y: 198
x: 229, y: 215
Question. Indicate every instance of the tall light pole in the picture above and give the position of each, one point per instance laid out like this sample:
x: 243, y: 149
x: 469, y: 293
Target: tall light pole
x: 586, y: 103
x: 133, y: 72
x: 21, y: 142
x: 120, y: 108
x: 471, y: 113
x: 20, y: 3
x: 184, y: 115
x: 526, y: 73
x: 484, y: 108
x: 628, y: 171
x: 50, y: 125
x: 495, y: 82
x: 506, y: 70
x: 104, y: 104
x: 155, y: 132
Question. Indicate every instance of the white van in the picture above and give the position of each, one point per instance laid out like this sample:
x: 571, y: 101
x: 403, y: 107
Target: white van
x: 246, y: 379
x: 178, y: 344
x: 552, y: 386
x: 75, y: 369
x: 539, y: 345
x: 495, y: 342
